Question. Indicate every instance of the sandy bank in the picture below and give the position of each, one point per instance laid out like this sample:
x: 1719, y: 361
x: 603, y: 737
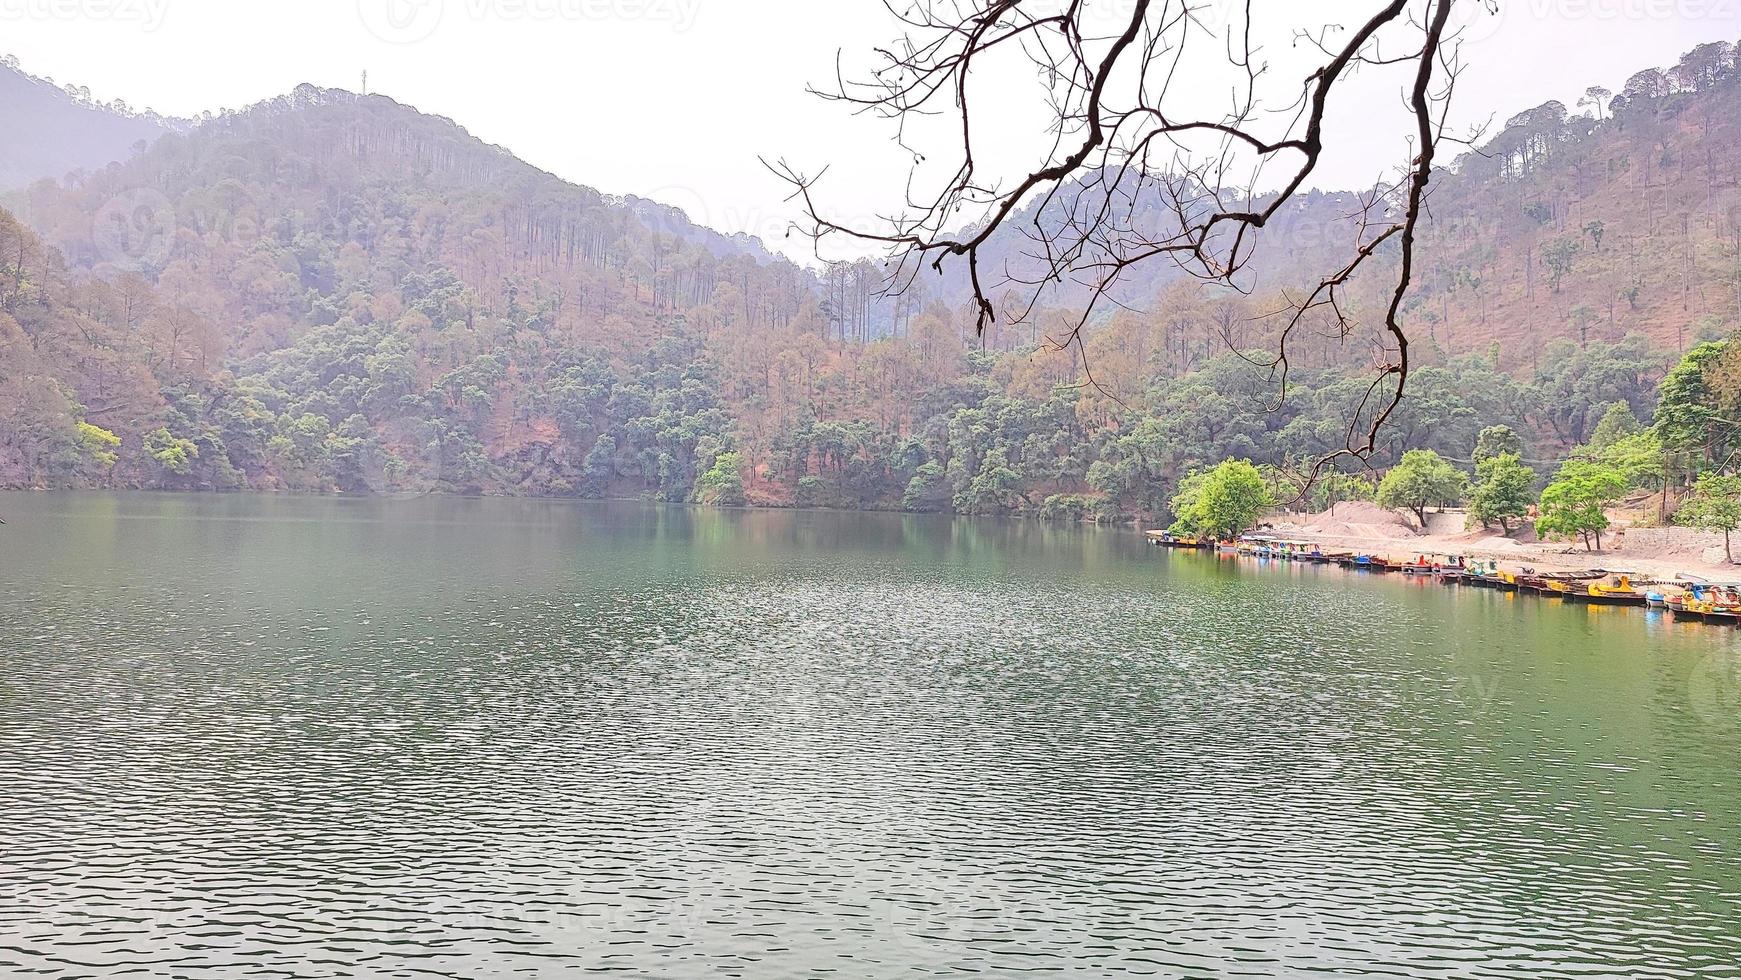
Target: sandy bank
x: 1658, y: 553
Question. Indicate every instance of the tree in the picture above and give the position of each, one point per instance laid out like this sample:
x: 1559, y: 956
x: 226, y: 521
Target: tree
x: 171, y: 453
x: 723, y: 484
x: 996, y: 488
x: 1557, y: 255
x: 599, y: 467
x: 1638, y: 458
x: 1575, y: 384
x: 1114, y: 113
x: 1497, y: 440
x: 1422, y: 479
x: 1617, y: 423
x: 97, y: 446
x: 1184, y: 504
x: 1502, y: 491
x: 1336, y: 487
x: 1686, y: 416
x: 1715, y: 505
x: 1223, y: 502
x: 1575, y: 504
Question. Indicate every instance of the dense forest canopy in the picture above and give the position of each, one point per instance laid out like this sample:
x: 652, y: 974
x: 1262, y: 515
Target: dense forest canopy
x: 335, y: 292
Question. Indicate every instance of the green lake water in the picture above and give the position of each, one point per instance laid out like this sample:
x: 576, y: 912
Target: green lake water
x: 248, y: 736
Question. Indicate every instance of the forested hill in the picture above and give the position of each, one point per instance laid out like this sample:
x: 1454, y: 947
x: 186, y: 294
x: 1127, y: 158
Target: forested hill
x: 335, y: 292
x: 1619, y: 215
x: 269, y: 219
x: 327, y: 270
x: 52, y: 131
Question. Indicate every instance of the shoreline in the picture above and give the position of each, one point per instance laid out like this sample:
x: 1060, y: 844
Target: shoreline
x: 1659, y: 554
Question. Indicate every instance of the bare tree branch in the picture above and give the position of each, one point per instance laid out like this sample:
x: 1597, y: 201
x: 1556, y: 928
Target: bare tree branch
x: 1121, y: 150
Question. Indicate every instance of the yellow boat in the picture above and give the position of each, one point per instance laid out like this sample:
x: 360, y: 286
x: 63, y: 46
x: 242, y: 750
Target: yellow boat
x: 1616, y: 591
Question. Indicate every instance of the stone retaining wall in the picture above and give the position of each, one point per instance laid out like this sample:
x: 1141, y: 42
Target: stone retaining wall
x: 1676, y: 542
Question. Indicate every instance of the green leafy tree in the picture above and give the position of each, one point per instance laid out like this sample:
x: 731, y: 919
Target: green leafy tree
x: 996, y: 488
x: 1502, y: 491
x: 1336, y: 487
x: 928, y: 490
x: 97, y: 445
x: 1715, y: 505
x: 1686, y: 415
x: 1184, y: 504
x: 1637, y: 457
x: 1576, y: 384
x: 1068, y: 507
x: 170, y: 453
x: 1422, y: 479
x: 1617, y: 423
x: 1497, y: 440
x: 599, y: 467
x: 1557, y: 255
x: 1575, y: 504
x: 1222, y: 502
x: 723, y: 484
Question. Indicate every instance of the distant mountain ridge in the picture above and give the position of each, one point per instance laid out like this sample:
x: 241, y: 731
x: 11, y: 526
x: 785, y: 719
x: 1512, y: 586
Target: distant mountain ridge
x: 53, y: 131
x: 445, y: 156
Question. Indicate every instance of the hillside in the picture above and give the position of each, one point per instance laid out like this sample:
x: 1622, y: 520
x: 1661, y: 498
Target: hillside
x: 280, y: 210
x: 74, y: 358
x: 327, y: 225
x: 336, y: 292
x: 64, y: 131
x: 1625, y: 218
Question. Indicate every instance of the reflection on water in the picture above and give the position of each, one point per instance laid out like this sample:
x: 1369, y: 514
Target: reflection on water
x: 247, y: 736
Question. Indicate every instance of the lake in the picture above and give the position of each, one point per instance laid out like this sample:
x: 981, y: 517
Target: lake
x: 450, y: 738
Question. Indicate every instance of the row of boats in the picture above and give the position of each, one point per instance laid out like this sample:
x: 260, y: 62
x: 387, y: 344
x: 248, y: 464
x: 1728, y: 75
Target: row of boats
x: 1688, y: 596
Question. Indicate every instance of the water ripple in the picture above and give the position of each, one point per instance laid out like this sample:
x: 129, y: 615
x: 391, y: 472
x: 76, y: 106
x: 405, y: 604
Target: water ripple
x: 603, y: 744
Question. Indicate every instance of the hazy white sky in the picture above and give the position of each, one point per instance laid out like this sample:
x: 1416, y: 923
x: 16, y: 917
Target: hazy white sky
x: 675, y: 99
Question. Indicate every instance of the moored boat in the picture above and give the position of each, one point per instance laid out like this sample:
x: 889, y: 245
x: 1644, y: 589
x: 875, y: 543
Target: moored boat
x: 1560, y: 584
x: 1541, y: 585
x: 1708, y: 603
x: 1443, y: 567
x: 1617, y: 590
x: 1483, y: 575
x: 1684, y: 596
x: 1167, y: 539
